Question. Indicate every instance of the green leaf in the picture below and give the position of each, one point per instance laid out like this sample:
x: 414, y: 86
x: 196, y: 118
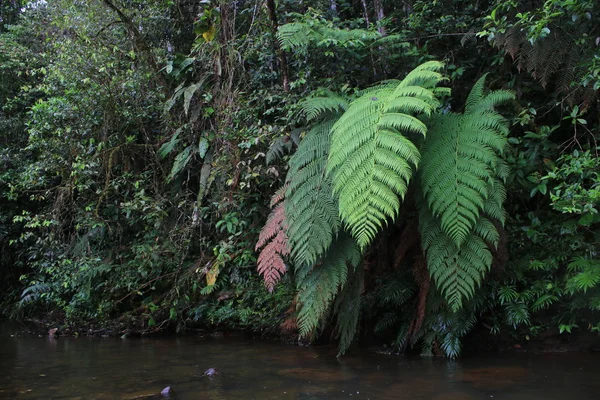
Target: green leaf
x: 180, y: 162
x: 168, y: 147
x: 188, y: 94
x: 203, y: 147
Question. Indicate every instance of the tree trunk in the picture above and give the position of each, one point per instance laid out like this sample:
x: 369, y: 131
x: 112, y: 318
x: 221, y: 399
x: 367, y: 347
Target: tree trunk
x: 365, y: 12
x: 280, y: 53
x: 333, y: 8
x: 379, y: 16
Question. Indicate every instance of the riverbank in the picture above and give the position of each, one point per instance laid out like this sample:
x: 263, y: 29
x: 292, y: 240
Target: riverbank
x: 480, y: 341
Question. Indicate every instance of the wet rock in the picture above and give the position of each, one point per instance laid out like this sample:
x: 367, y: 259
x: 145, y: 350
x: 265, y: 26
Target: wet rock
x: 167, y: 392
x: 53, y: 332
x: 211, y: 372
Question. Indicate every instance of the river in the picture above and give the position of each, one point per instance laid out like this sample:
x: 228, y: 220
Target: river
x: 109, y: 368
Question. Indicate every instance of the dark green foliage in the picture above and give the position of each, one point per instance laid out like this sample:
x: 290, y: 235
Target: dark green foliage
x: 140, y: 144
x: 319, y: 285
x: 347, y: 307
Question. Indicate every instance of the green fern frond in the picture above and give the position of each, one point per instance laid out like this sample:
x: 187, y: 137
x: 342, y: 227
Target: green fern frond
x: 391, y: 42
x: 386, y: 321
x: 371, y: 161
x: 347, y: 309
x: 494, y: 204
x: 311, y: 210
x: 33, y: 293
x: 321, y: 33
x: 295, y: 34
x: 461, y: 163
x: 318, y: 288
x: 457, y: 271
x: 395, y: 292
x: 426, y: 75
x: 278, y: 148
x: 315, y: 107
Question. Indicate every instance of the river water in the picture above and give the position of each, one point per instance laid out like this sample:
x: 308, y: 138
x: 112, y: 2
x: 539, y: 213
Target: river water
x: 95, y: 368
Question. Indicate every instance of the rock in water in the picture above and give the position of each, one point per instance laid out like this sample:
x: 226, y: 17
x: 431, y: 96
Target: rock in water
x: 167, y: 392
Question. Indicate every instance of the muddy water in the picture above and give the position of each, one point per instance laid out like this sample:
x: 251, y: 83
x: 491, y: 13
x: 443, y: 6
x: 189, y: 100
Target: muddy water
x: 93, y: 368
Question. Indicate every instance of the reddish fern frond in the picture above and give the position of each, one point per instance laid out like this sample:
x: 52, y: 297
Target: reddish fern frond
x: 275, y: 223
x: 279, y: 195
x: 274, y: 243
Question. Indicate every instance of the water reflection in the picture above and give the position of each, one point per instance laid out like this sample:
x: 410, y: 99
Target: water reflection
x: 84, y: 368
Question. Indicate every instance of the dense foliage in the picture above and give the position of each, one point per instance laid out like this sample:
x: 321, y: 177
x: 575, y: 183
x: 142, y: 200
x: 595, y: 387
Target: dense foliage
x: 398, y: 172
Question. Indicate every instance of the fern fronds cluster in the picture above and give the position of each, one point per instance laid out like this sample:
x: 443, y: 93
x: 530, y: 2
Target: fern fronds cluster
x: 348, y: 179
x: 552, y: 60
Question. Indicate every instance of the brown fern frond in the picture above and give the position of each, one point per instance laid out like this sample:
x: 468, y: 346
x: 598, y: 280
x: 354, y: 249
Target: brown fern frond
x: 551, y: 59
x: 566, y: 74
x: 513, y: 42
x: 273, y: 226
x: 274, y: 243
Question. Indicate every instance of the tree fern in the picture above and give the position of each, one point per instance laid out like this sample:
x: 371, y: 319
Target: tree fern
x: 371, y: 160
x: 461, y: 162
x: 274, y: 243
x: 312, y: 212
x: 318, y: 287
